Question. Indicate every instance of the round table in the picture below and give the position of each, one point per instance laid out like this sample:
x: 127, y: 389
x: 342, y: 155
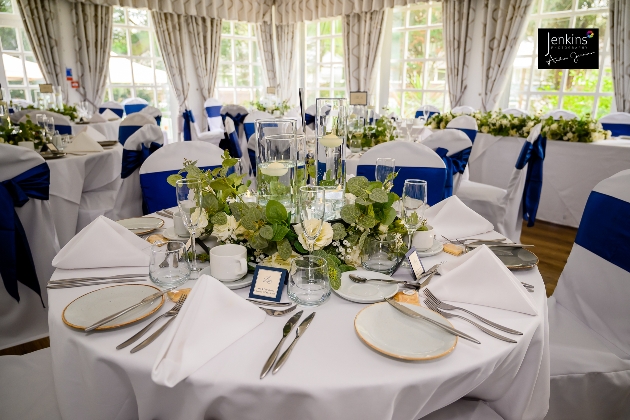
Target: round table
x: 331, y: 374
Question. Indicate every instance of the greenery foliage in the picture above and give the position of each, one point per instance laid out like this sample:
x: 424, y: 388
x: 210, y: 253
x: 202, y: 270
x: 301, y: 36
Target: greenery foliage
x: 24, y: 131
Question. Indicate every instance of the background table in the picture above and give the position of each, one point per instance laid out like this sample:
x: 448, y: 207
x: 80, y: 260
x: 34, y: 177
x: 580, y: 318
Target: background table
x: 331, y: 374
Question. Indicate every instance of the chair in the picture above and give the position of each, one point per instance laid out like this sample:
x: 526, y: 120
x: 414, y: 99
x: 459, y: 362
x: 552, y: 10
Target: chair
x: 454, y: 147
x: 113, y: 106
x: 28, y: 243
x: 238, y: 113
x: 294, y: 114
x: 133, y: 105
x: 617, y: 122
x: 137, y: 149
x: 502, y: 207
x: 250, y: 130
x: 158, y: 194
x: 464, y: 109
x: 154, y: 112
x: 432, y: 110
x: 589, y: 333
x: 133, y: 123
x: 231, y: 142
x: 213, y: 113
x: 29, y: 388
x: 559, y: 113
x: 516, y: 112
x: 62, y: 123
x: 466, y: 124
x: 413, y: 161
x: 309, y: 117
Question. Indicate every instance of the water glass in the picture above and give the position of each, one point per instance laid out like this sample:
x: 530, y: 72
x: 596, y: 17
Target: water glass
x: 381, y: 255
x: 384, y: 167
x: 312, y: 207
x: 50, y: 126
x: 189, y: 201
x: 169, y: 266
x: 413, y: 199
x: 308, y: 281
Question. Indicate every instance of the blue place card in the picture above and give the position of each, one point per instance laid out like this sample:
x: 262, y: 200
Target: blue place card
x: 268, y: 283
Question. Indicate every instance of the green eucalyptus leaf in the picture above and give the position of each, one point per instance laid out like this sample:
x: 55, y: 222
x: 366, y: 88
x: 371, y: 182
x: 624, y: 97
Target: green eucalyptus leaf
x: 388, y: 216
x: 279, y: 232
x: 172, y: 179
x: 358, y: 186
x: 266, y: 232
x: 350, y: 213
x: 258, y: 242
x: 366, y: 221
x: 284, y: 249
x: 275, y: 212
x: 339, y: 231
x: 344, y: 267
x: 379, y: 195
x: 363, y: 201
x: 210, y: 203
x: 373, y: 185
x: 219, y: 218
x: 237, y: 209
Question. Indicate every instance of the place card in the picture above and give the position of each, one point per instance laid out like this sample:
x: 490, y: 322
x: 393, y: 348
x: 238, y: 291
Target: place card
x: 49, y: 147
x: 271, y: 90
x: 268, y: 283
x: 359, y: 98
x: 45, y: 88
x: 416, y: 265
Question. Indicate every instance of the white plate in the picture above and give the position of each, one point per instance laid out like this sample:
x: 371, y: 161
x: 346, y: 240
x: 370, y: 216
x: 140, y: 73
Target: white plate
x: 94, y: 306
x: 169, y: 233
x: 435, y: 249
x: 390, y: 332
x: 368, y: 292
x: 236, y: 284
x: 134, y: 224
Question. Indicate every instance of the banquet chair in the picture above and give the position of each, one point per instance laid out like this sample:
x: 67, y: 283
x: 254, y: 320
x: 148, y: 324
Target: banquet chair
x: 454, y: 147
x: 214, y: 137
x: 309, y: 117
x: 113, y: 106
x: 250, y: 134
x: 617, y: 122
x: 29, y: 388
x: 556, y: 114
x: 516, y: 112
x: 413, y: 161
x: 213, y: 108
x: 503, y: 207
x: 464, y: 109
x: 133, y: 105
x: 238, y: 113
x: 432, y: 110
x: 139, y: 146
x: 231, y: 141
x: 154, y: 112
x: 62, y: 123
x: 133, y: 123
x: 158, y: 194
x: 466, y: 124
x: 28, y: 244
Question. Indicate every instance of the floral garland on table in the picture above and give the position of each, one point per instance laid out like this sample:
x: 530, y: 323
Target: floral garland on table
x: 380, y: 132
x: 24, y: 131
x: 270, y: 106
x: 68, y: 110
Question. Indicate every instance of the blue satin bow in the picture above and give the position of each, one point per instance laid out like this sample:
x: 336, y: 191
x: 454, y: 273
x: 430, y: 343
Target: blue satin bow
x: 239, y: 119
x: 532, y: 155
x: 133, y: 159
x: 455, y: 164
x: 16, y: 260
x: 158, y: 120
x: 309, y: 120
x: 189, y: 118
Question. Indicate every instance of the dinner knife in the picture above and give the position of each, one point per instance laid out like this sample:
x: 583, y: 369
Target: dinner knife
x: 300, y: 330
x: 501, y: 245
x: 144, y: 301
x: 268, y: 303
x: 285, y: 332
x: 416, y: 315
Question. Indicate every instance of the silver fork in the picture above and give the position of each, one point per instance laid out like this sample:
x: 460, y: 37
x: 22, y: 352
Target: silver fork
x: 429, y: 304
x: 278, y: 312
x: 172, y: 312
x: 445, y: 306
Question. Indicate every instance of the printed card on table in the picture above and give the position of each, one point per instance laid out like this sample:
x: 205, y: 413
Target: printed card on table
x: 268, y: 283
x: 416, y: 265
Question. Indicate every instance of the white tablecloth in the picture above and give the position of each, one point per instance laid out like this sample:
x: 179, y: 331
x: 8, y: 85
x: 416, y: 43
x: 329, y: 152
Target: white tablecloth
x: 109, y: 129
x: 79, y: 184
x: 331, y: 374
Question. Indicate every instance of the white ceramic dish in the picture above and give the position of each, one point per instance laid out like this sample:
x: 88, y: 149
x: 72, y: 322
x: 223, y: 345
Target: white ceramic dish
x: 394, y: 334
x: 141, y: 225
x: 368, y: 292
x: 169, y: 233
x: 233, y: 285
x: 434, y: 250
x: 94, y: 306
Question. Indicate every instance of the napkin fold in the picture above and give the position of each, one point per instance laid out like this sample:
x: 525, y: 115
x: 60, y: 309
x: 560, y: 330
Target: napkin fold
x: 82, y: 142
x: 212, y: 318
x: 92, y: 133
x: 98, y: 118
x: 103, y: 243
x: 454, y: 219
x: 110, y: 115
x: 479, y: 277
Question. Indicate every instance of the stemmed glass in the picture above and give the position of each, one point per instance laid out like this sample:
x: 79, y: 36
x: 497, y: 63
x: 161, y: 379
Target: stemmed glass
x: 384, y: 167
x: 50, y: 126
x: 189, y: 201
x: 312, y: 212
x: 414, y: 198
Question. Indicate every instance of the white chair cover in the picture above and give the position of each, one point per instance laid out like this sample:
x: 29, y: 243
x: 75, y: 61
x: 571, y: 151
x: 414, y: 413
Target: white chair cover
x: 154, y: 112
x: 133, y: 123
x: 431, y: 109
x: 129, y: 198
x: 560, y: 113
x: 617, y: 122
x: 27, y: 320
x: 464, y: 109
x: 114, y: 106
x: 213, y: 108
x: 466, y: 124
x: 62, y: 123
x: 294, y: 114
x: 133, y: 105
x: 501, y: 207
x: 516, y: 112
x: 458, y: 147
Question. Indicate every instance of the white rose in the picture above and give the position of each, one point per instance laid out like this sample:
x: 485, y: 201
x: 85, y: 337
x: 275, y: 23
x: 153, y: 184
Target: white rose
x: 530, y: 124
x: 554, y: 126
x: 224, y: 232
x: 201, y: 220
x: 383, y: 229
x: 484, y: 129
x: 353, y: 257
x: 276, y: 261
x: 608, y: 134
x: 512, y: 133
x: 324, y: 238
x: 591, y: 126
x: 350, y: 198
x: 569, y: 135
x: 442, y: 125
x: 433, y: 125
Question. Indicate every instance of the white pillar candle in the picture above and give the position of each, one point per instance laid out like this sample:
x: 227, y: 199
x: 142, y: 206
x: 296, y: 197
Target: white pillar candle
x: 330, y: 140
x: 275, y: 169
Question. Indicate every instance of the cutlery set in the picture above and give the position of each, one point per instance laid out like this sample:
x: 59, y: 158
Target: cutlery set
x: 95, y: 281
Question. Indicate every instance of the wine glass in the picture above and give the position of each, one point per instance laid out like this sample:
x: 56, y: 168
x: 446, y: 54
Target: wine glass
x: 384, y: 167
x: 50, y: 126
x: 414, y: 198
x: 189, y: 201
x: 312, y: 212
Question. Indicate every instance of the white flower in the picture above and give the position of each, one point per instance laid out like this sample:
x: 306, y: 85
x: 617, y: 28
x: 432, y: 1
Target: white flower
x: 512, y: 133
x: 569, y: 135
x: 383, y: 228
x: 350, y: 198
x: 324, y: 238
x: 200, y: 220
x: 433, y: 125
x: 554, y: 126
x: 276, y: 261
x: 353, y: 257
x: 442, y: 125
x: 484, y: 129
x: 226, y: 231
x: 608, y: 134
x: 591, y: 126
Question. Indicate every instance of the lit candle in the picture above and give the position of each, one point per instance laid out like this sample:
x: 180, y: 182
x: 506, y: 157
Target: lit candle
x: 275, y: 169
x: 330, y: 140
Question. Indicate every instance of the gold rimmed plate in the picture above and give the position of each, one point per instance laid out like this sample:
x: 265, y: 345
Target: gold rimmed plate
x: 94, y: 306
x: 141, y: 225
x: 108, y: 143
x: 50, y: 155
x: 516, y: 258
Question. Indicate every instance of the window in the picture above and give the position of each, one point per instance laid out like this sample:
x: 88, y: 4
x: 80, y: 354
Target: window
x: 580, y: 91
x: 418, y: 59
x: 324, y: 70
x: 136, y: 69
x: 21, y: 70
x: 240, y: 78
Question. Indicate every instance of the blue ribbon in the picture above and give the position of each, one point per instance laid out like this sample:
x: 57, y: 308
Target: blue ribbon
x: 233, y: 147
x: 455, y: 164
x: 309, y: 120
x: 158, y: 120
x: 532, y: 155
x: 133, y: 108
x: 213, y: 111
x: 617, y: 129
x: 16, y: 260
x: 133, y: 159
x: 250, y: 129
x: 435, y: 177
x: 117, y: 111
x: 125, y: 131
x: 431, y: 113
x: 189, y: 118
x: 471, y: 133
x: 239, y: 119
x: 252, y: 160
x: 605, y: 229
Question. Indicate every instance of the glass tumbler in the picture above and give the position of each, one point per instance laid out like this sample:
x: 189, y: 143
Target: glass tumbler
x: 381, y: 255
x: 308, y: 281
x: 169, y: 265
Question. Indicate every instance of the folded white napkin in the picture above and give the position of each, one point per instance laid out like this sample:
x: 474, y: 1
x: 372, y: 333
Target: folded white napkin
x: 82, y: 142
x: 92, y: 133
x: 98, y: 118
x: 454, y: 219
x: 479, y: 277
x: 110, y: 115
x: 212, y: 318
x: 103, y: 243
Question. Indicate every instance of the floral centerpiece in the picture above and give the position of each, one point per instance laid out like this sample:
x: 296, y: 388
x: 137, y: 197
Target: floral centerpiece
x: 24, y: 131
x: 267, y: 105
x: 69, y: 111
x: 269, y: 232
x: 382, y: 131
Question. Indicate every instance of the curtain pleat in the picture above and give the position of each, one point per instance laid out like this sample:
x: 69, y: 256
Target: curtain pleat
x: 619, y: 21
x: 205, y: 41
x: 458, y: 17
x: 361, y: 44
x: 264, y: 34
x: 287, y: 55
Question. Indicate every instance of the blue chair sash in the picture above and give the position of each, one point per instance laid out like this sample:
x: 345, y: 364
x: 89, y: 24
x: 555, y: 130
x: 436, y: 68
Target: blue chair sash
x: 158, y: 120
x: 64, y: 129
x: 431, y: 113
x: 133, y: 159
x: 605, y: 229
x: 617, y: 129
x: 435, y: 177
x: 250, y: 129
x: 532, y: 154
x: 233, y: 147
x: 309, y: 120
x: 133, y: 108
x: 472, y: 134
x: 213, y: 111
x: 16, y: 260
x: 455, y: 164
x: 116, y: 111
x: 189, y: 119
x: 252, y: 160
x: 239, y: 120
x: 125, y: 131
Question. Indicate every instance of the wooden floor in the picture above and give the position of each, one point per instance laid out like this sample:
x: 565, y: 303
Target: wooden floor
x: 553, y: 245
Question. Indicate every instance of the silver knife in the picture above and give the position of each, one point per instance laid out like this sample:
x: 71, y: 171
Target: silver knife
x: 268, y: 303
x: 501, y: 245
x: 288, y: 327
x: 152, y: 337
x: 416, y: 315
x: 300, y: 330
x: 426, y: 282
x: 144, y: 301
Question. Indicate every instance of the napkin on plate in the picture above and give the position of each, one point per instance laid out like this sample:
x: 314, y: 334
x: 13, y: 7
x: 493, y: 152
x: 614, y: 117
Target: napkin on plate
x: 103, y: 243
x: 92, y: 133
x: 98, y: 118
x: 454, y: 219
x: 479, y: 277
x: 82, y: 142
x: 212, y: 318
x: 110, y: 115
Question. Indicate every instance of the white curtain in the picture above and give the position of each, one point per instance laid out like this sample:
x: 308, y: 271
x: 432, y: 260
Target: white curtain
x: 458, y: 17
x: 287, y: 54
x: 361, y: 45
x: 619, y: 20
x: 264, y: 34
x: 92, y: 44
x: 205, y: 41
x: 503, y: 24
x: 40, y: 23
